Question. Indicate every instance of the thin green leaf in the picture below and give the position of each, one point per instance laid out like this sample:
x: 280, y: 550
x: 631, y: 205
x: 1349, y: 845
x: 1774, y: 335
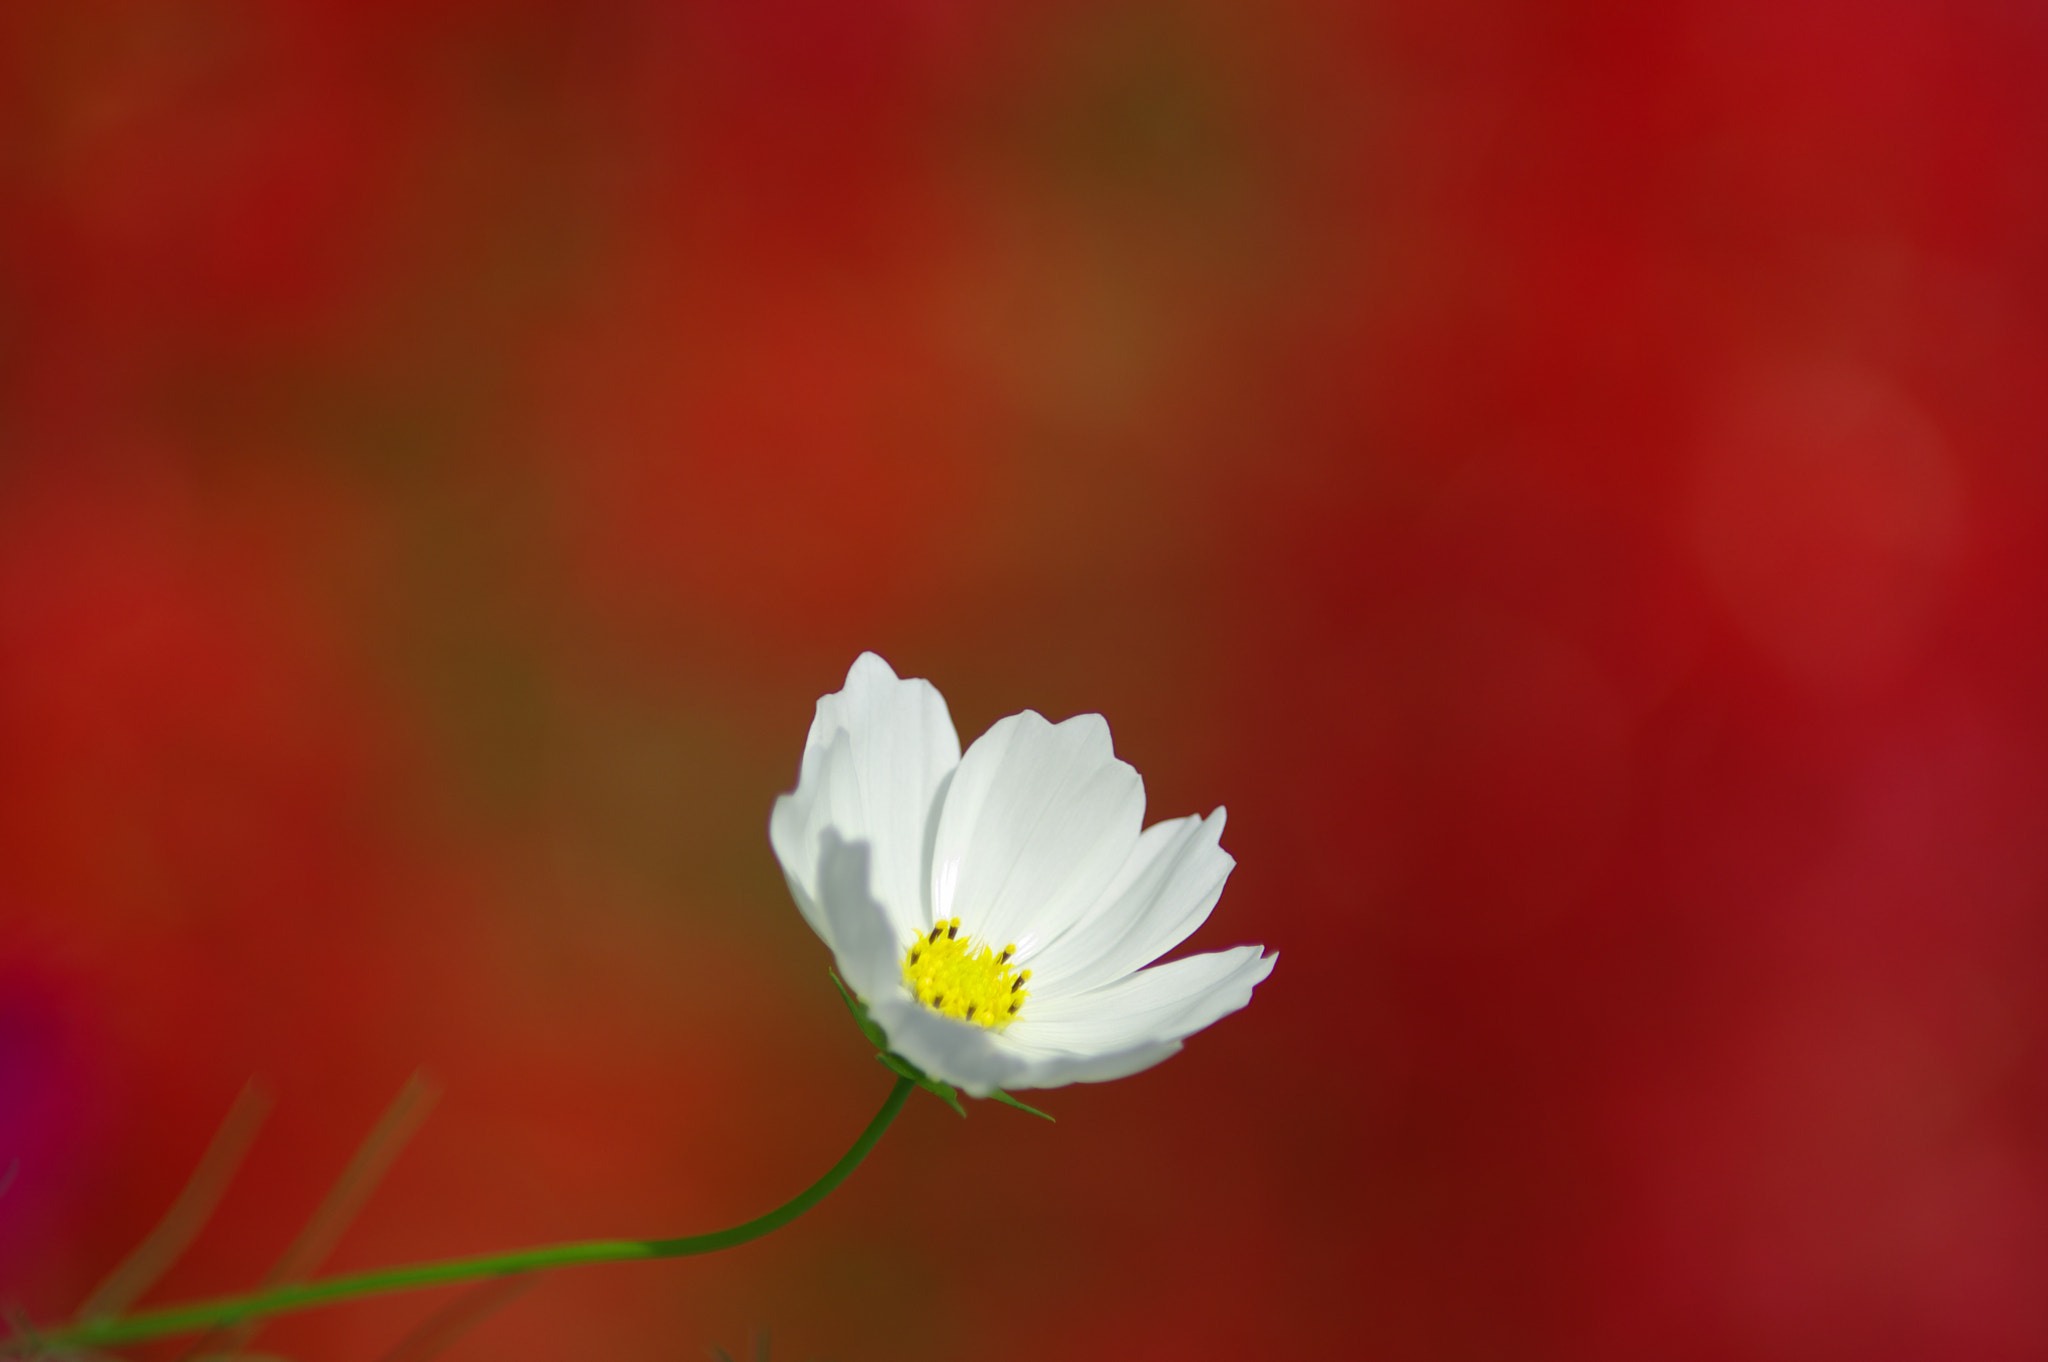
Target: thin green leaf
x: 376, y: 1153
x: 1000, y: 1096
x: 941, y: 1090
x: 188, y: 1213
x: 874, y: 1033
x: 944, y: 1092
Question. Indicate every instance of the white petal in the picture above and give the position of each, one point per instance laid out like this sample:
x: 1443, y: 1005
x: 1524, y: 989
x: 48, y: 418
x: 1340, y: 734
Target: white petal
x: 862, y: 934
x: 1163, y: 892
x: 874, y: 764
x: 972, y: 1058
x: 827, y: 798
x: 1034, y: 827
x: 1056, y: 1069
x: 1165, y: 1002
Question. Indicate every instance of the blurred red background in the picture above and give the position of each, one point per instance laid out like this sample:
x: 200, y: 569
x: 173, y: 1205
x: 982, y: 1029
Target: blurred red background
x: 1569, y: 477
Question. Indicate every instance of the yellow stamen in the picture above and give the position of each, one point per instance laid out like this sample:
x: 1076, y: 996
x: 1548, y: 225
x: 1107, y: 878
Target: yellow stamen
x: 956, y: 976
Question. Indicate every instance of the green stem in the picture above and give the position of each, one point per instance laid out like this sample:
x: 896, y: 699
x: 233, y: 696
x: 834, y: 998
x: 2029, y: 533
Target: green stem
x: 280, y: 1300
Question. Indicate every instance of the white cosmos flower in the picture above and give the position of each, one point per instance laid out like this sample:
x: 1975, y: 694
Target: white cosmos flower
x: 995, y: 912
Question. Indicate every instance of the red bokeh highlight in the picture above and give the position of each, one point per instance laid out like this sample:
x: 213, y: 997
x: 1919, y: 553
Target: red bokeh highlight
x: 1569, y: 478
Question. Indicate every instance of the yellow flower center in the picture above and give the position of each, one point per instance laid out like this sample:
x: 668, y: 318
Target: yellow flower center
x: 957, y: 976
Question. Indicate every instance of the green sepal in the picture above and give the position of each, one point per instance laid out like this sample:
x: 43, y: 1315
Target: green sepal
x: 944, y: 1091
x: 859, y: 1010
x: 1000, y: 1096
x: 937, y: 1088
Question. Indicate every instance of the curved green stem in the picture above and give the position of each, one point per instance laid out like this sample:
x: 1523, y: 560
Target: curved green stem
x: 280, y: 1300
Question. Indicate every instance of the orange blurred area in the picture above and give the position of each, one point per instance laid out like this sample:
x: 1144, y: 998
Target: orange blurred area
x: 1569, y: 477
